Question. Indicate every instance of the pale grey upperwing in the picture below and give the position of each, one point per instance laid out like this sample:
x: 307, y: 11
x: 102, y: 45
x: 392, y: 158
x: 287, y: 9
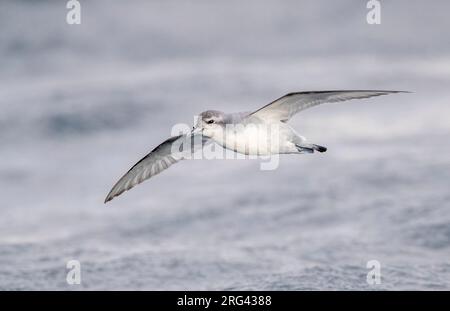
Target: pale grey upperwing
x: 285, y: 107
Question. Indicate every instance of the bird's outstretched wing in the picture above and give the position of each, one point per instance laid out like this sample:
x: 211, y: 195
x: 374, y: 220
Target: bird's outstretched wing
x: 169, y: 152
x: 285, y: 107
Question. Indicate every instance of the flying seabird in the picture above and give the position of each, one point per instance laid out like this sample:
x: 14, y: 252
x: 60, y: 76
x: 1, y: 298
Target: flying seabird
x: 240, y: 132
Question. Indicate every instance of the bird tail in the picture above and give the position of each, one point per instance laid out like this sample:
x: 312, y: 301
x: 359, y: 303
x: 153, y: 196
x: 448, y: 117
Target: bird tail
x: 319, y: 148
x: 310, y: 148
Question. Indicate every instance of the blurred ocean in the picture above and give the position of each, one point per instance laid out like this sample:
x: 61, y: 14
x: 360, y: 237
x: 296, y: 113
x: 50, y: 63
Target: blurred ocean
x: 80, y: 104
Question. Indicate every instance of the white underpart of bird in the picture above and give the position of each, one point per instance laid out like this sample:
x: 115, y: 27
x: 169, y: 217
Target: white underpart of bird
x: 262, y: 132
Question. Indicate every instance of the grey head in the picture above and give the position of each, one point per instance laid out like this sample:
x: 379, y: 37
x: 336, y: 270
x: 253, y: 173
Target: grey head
x: 210, y: 123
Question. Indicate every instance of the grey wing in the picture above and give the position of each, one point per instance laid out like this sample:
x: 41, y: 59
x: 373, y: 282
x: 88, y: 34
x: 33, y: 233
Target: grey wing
x: 169, y: 152
x: 285, y: 107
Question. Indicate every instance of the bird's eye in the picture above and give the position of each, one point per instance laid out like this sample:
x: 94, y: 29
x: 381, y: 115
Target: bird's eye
x: 210, y: 121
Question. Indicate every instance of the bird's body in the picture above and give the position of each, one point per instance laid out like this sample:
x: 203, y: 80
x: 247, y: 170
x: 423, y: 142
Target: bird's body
x: 262, y: 132
x: 250, y: 135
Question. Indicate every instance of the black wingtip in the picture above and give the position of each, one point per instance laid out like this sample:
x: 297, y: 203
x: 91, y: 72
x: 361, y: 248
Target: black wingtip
x: 108, y: 198
x: 399, y: 91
